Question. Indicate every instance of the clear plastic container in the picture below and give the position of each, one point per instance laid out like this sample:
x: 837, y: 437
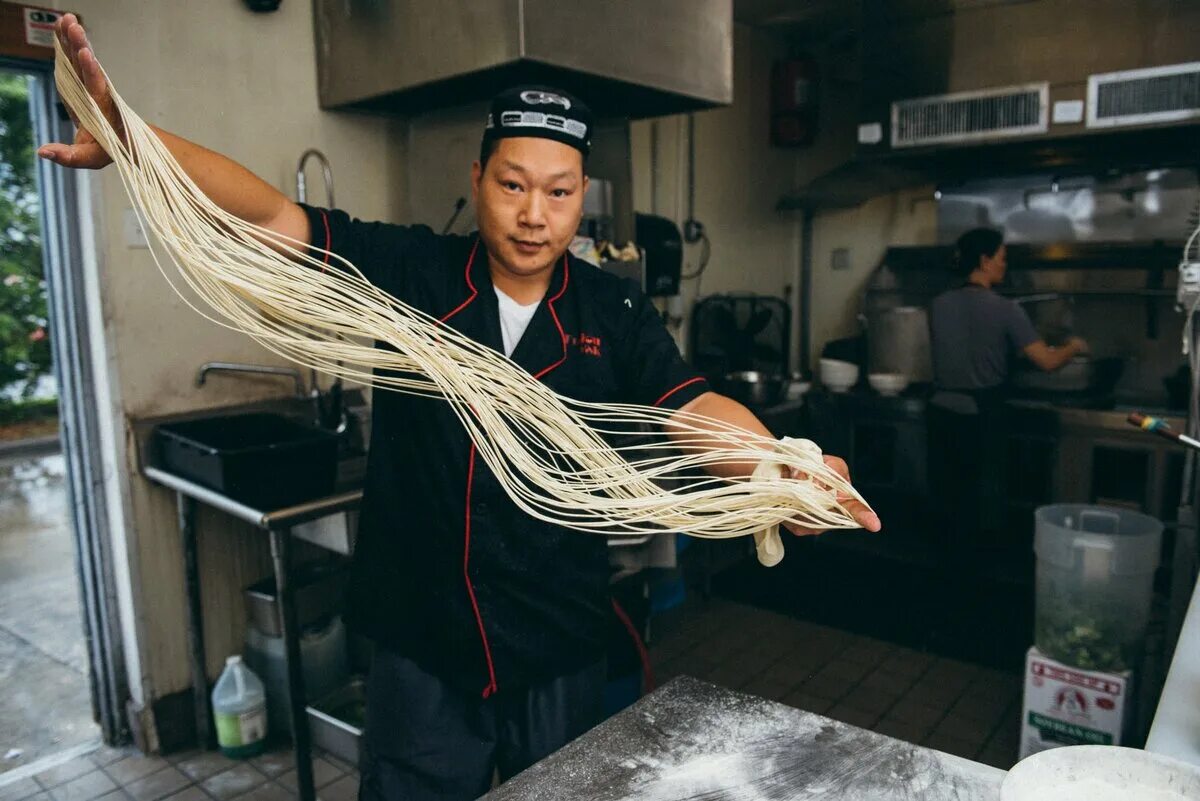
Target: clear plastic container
x: 323, y: 653
x: 240, y: 709
x: 1095, y: 575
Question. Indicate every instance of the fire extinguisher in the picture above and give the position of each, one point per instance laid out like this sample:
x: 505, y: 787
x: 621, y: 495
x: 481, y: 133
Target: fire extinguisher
x: 794, y: 94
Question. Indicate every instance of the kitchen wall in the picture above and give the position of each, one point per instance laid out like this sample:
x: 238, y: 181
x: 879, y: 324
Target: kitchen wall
x: 242, y: 84
x: 740, y: 178
x: 864, y: 233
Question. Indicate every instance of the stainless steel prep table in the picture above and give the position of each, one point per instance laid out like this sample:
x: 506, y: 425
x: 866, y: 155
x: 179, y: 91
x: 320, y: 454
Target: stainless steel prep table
x: 278, y: 524
x: 693, y: 740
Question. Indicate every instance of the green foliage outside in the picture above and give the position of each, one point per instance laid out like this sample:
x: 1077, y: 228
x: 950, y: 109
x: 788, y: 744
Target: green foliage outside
x: 27, y: 411
x: 24, y: 334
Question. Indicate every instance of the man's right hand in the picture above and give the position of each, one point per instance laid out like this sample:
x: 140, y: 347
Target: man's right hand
x: 1079, y: 345
x: 86, y: 152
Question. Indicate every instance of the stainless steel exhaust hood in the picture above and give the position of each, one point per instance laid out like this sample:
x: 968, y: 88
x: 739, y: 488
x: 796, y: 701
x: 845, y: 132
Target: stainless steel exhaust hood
x: 625, y: 58
x: 957, y: 90
x: 978, y: 72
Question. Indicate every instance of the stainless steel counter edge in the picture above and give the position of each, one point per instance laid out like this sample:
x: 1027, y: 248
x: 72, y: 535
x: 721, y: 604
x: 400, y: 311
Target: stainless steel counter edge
x: 693, y: 739
x: 269, y: 519
x: 1110, y: 419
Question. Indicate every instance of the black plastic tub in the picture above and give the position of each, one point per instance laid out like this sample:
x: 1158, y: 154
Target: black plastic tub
x: 265, y: 461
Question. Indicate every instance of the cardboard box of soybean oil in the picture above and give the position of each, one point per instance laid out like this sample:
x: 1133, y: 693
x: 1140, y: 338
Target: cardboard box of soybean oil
x: 1065, y: 705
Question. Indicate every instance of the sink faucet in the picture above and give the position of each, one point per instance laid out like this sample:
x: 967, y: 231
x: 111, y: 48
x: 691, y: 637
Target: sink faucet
x: 262, y: 369
x: 327, y: 412
x: 326, y: 173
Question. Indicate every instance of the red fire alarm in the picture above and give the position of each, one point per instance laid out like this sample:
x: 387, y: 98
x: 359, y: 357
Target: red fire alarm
x: 794, y: 95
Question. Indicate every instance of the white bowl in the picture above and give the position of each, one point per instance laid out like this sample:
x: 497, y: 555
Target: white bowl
x: 838, y: 385
x: 838, y: 376
x: 888, y: 384
x: 1098, y: 772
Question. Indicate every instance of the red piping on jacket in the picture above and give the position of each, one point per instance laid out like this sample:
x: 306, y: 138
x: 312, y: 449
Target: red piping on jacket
x: 470, y: 283
x: 325, y: 219
x: 671, y: 392
x: 487, y: 650
x: 648, y: 682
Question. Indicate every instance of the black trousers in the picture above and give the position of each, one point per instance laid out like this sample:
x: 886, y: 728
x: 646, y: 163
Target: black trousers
x: 426, y: 740
x: 966, y: 462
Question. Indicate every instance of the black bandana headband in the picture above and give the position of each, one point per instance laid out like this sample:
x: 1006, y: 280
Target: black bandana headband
x: 542, y: 112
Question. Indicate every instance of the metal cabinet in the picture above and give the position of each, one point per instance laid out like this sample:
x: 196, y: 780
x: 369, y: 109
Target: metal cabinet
x: 1103, y: 460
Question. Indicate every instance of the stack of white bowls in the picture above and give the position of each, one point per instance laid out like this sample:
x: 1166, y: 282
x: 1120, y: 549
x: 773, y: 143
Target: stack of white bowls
x: 838, y: 376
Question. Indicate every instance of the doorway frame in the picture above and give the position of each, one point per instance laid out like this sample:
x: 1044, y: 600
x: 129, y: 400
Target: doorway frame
x: 63, y: 200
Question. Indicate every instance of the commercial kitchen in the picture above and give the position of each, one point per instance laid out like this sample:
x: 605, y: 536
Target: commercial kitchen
x: 954, y: 243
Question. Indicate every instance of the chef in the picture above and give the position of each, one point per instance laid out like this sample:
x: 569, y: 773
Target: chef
x: 977, y: 337
x: 488, y: 624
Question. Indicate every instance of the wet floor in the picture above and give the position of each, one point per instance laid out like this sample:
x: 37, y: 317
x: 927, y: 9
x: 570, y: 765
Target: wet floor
x: 45, y: 704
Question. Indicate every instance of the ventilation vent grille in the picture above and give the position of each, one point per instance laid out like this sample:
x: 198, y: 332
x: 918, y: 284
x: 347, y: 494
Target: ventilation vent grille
x: 1137, y: 97
x: 970, y: 116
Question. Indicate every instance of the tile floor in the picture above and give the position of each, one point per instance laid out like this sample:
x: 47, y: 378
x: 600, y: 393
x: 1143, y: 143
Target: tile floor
x: 111, y: 774
x: 945, y: 704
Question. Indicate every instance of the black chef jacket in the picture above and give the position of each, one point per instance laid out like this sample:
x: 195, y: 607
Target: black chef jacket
x: 447, y: 570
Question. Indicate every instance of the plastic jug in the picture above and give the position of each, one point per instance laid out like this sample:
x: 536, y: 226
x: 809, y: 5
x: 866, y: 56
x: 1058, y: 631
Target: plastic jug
x: 240, y: 708
x: 323, y: 654
x: 1095, y: 583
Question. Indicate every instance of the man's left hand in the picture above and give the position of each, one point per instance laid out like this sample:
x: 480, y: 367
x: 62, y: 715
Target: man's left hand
x: 865, y: 517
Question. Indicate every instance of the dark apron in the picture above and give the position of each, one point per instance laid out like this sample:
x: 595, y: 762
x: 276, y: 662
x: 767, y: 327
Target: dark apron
x: 966, y: 459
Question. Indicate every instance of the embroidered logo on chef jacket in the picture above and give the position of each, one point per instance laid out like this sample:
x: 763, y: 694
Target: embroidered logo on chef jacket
x: 588, y: 345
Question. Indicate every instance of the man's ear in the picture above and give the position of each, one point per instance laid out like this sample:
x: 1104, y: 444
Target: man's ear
x: 476, y: 177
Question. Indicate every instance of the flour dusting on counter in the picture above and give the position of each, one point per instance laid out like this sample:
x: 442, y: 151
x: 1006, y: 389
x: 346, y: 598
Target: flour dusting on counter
x: 691, y: 740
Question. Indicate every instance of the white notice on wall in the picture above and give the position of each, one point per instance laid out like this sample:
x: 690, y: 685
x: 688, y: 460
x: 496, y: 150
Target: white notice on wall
x: 1066, y: 111
x: 39, y: 26
x: 870, y: 133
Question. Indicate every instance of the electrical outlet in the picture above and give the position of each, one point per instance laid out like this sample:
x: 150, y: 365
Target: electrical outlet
x: 839, y: 259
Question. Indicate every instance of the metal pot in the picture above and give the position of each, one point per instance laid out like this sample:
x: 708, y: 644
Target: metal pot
x: 1074, y: 376
x: 1080, y: 374
x: 754, y: 388
x: 898, y: 342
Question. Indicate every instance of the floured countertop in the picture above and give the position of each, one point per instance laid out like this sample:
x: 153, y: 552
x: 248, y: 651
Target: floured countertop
x: 693, y: 740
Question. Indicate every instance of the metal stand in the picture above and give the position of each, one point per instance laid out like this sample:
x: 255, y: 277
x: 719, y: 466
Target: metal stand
x: 301, y: 742
x: 195, y: 625
x: 279, y: 525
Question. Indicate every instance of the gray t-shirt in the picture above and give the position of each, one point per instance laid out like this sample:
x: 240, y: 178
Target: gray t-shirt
x: 976, y: 334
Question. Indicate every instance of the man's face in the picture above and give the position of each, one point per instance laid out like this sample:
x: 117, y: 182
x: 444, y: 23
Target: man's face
x: 529, y: 201
x: 997, y: 265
